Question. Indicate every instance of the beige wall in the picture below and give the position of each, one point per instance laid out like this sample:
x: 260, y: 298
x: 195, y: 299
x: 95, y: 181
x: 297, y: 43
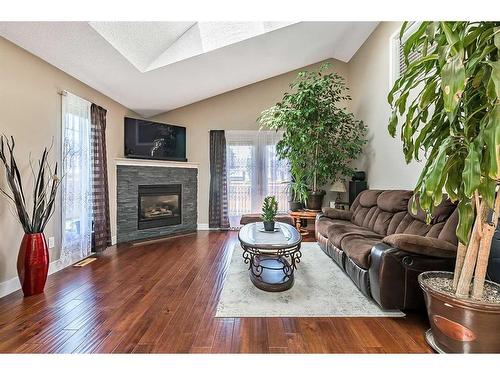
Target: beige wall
x: 30, y: 110
x: 234, y: 110
x: 369, y: 77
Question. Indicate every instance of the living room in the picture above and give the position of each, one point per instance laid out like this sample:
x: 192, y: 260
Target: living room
x: 220, y: 186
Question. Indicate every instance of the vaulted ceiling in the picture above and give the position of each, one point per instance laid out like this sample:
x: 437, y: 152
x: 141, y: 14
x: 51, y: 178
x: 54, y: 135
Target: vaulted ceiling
x: 154, y: 67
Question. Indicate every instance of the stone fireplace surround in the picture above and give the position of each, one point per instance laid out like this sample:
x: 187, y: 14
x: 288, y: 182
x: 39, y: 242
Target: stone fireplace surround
x: 131, y: 173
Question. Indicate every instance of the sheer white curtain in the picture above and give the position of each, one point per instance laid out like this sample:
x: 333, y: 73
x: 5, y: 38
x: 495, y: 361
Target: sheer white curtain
x: 254, y: 171
x: 76, y: 190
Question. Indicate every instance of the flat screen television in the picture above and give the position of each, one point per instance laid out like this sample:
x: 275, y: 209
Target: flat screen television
x: 153, y: 140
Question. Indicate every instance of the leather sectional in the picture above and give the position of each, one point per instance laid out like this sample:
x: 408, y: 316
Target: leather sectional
x: 383, y: 246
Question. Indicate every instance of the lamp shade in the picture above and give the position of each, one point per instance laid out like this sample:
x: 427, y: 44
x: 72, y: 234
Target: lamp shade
x: 338, y: 186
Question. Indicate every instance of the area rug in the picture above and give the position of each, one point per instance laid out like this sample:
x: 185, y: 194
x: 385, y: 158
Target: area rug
x: 321, y: 289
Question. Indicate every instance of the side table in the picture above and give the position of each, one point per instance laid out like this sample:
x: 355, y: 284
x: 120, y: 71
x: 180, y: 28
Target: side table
x: 302, y: 215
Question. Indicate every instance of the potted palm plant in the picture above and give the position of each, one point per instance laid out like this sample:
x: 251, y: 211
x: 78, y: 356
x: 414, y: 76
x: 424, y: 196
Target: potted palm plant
x: 447, y: 105
x: 298, y: 188
x: 33, y: 257
x: 320, y: 137
x: 269, y: 212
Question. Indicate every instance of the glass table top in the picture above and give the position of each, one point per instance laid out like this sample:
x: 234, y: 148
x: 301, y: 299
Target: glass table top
x: 253, y: 235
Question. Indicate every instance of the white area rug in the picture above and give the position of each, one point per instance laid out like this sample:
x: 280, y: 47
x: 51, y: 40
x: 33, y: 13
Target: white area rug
x: 321, y: 289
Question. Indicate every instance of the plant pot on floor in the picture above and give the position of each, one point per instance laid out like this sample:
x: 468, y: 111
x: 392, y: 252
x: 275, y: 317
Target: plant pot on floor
x: 269, y: 226
x: 33, y: 263
x: 315, y: 200
x: 459, y: 325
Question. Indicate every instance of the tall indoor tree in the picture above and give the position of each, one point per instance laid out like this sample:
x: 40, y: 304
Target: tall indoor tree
x: 447, y: 106
x: 321, y: 138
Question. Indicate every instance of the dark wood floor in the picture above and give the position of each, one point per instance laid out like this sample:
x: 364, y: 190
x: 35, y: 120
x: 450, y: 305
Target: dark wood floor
x: 161, y: 297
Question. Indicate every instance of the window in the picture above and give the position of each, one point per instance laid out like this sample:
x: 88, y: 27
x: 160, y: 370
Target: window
x: 398, y: 64
x: 76, y: 185
x: 254, y: 171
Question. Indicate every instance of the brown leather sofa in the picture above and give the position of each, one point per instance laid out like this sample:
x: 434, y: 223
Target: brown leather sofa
x: 383, y: 246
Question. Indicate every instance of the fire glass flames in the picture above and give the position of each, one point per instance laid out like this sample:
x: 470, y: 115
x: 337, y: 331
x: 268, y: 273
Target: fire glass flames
x: 153, y: 207
x: 159, y: 205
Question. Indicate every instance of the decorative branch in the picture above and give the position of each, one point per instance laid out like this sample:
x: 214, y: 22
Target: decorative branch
x: 46, y: 184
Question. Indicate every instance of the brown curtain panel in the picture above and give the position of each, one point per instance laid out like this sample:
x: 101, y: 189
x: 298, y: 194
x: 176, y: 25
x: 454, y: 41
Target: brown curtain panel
x: 218, y: 217
x: 100, y: 197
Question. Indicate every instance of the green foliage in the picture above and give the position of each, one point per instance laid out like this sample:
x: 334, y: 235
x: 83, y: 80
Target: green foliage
x: 453, y: 117
x: 299, y: 187
x: 269, y: 208
x: 320, y: 137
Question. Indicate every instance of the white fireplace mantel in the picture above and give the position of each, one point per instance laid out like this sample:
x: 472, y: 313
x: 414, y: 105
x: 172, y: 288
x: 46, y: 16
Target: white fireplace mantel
x: 155, y: 163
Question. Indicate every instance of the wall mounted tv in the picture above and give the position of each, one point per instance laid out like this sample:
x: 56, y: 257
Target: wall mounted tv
x: 153, y: 140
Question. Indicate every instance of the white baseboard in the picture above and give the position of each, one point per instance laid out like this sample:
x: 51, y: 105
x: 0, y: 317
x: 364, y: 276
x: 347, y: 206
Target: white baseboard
x: 10, y: 286
x: 204, y: 226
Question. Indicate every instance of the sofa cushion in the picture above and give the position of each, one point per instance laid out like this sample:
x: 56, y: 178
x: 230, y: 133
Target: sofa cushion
x: 334, y: 213
x: 417, y: 227
x: 394, y: 200
x: 383, y: 217
x: 363, y: 215
x: 440, y: 213
x: 358, y: 248
x: 337, y: 232
x: 448, y: 233
x: 381, y: 221
x: 324, y: 223
x: 422, y: 245
x: 365, y: 209
x: 368, y: 198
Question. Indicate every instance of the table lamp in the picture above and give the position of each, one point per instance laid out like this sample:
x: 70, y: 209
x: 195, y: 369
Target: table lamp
x: 339, y: 187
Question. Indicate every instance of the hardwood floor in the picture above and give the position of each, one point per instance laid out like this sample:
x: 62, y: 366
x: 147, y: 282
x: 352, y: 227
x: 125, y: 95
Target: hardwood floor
x: 161, y: 298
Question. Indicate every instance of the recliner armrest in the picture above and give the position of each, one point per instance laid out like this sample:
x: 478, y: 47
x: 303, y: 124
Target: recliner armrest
x: 394, y: 276
x: 334, y: 213
x: 420, y: 245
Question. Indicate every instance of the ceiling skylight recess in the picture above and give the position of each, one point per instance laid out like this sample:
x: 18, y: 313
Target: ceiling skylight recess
x: 152, y: 45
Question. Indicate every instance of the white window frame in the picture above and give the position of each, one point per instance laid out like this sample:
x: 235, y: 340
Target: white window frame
x: 394, y: 47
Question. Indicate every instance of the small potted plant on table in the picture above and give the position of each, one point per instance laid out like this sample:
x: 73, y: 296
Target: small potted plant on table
x: 269, y: 211
x: 454, y: 120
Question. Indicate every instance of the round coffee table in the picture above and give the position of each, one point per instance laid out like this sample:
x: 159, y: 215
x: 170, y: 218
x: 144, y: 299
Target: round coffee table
x: 272, y: 257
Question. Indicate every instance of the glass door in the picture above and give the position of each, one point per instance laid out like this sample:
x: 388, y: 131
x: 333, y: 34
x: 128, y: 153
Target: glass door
x: 254, y: 171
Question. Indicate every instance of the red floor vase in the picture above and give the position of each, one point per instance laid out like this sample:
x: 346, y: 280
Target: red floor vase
x: 33, y: 263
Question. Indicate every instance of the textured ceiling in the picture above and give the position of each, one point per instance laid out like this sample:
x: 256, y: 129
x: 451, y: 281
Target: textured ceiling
x: 151, y: 45
x: 153, y: 67
x: 141, y: 42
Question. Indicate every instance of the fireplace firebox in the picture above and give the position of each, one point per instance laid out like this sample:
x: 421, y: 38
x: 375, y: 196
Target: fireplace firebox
x: 159, y: 206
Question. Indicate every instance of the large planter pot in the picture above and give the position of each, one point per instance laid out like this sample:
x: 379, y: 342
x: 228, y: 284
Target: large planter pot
x: 33, y: 263
x: 460, y: 325
x: 315, y: 200
x: 295, y: 206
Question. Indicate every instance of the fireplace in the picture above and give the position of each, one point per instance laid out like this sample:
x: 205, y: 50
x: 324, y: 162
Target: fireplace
x: 159, y: 206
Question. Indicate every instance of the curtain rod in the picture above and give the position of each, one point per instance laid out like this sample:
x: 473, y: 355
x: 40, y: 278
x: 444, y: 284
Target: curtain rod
x: 65, y: 93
